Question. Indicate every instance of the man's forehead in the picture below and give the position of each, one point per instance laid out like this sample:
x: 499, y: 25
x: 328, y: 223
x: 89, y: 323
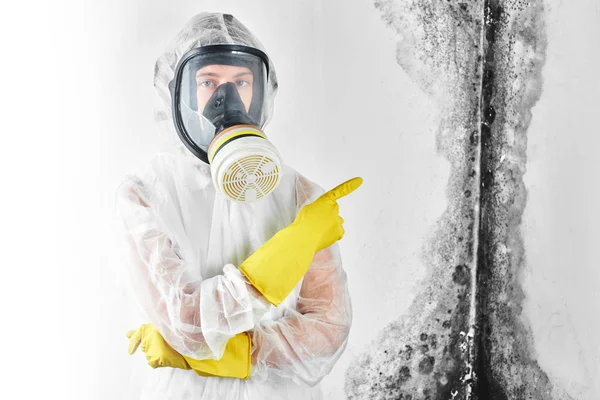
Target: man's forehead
x: 221, y: 69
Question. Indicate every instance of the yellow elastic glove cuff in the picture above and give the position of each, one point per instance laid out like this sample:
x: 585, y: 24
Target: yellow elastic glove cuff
x: 235, y: 362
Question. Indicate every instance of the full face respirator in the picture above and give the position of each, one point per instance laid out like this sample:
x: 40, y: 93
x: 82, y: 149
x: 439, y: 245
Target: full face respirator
x: 218, y: 101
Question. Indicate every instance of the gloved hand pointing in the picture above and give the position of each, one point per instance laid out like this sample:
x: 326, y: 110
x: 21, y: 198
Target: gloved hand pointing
x: 278, y: 265
x: 322, y: 215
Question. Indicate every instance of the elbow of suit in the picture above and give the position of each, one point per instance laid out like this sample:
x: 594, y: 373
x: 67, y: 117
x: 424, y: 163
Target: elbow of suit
x: 329, y: 343
x: 338, y: 339
x: 328, y: 352
x: 338, y: 325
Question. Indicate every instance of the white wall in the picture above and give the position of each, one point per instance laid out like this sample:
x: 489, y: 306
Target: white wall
x: 562, y: 217
x: 345, y: 108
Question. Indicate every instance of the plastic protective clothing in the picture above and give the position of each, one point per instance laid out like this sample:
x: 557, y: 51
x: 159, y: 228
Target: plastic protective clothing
x: 185, y: 243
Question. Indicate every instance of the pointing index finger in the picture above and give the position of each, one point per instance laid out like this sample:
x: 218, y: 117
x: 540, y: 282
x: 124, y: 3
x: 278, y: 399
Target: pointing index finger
x: 346, y: 188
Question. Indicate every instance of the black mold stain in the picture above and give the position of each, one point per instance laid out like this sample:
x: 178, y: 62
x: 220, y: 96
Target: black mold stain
x: 480, y: 61
x: 426, y: 365
x: 513, y: 57
x: 441, y: 40
x: 404, y: 374
x: 461, y: 275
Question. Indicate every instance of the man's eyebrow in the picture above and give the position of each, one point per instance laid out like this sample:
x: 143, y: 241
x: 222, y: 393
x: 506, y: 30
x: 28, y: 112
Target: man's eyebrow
x: 242, y: 74
x: 198, y: 74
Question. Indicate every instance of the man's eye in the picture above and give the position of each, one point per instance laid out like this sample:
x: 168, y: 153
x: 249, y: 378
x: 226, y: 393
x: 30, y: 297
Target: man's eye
x: 242, y: 83
x: 206, y: 84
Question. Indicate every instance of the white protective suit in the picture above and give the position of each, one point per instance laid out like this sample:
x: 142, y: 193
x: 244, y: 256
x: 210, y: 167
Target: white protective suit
x: 185, y: 242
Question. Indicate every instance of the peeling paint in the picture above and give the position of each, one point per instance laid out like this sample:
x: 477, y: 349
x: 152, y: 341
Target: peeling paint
x: 464, y: 336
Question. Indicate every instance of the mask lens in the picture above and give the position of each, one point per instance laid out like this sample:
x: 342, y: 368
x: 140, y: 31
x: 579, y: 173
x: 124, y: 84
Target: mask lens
x: 200, y: 75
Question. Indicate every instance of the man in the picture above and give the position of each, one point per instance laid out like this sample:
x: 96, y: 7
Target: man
x: 245, y: 299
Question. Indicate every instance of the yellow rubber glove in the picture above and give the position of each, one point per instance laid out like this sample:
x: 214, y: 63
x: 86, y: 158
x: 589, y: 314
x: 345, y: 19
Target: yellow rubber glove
x: 278, y: 265
x: 158, y: 352
x: 235, y: 362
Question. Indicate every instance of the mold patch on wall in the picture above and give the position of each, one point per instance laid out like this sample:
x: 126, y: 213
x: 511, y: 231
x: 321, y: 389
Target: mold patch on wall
x: 464, y: 337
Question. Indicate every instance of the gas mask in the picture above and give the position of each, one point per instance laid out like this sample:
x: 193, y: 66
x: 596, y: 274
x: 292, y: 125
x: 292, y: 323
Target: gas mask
x: 218, y: 97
